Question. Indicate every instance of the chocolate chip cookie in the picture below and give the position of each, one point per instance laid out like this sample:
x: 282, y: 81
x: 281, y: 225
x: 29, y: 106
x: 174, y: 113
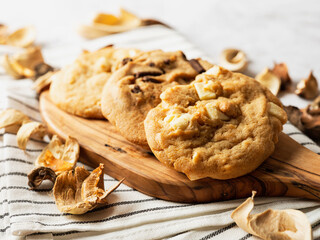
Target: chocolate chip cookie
x: 135, y: 88
x: 223, y: 125
x: 77, y: 88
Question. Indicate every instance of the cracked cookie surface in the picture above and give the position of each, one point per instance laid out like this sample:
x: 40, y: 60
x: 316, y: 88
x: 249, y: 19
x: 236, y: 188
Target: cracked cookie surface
x: 223, y: 125
x: 77, y: 87
x: 136, y: 87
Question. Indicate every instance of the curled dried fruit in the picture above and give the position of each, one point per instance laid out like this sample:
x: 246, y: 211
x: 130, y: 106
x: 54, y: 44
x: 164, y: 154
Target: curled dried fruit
x: 79, y: 192
x: 281, y: 71
x: 24, y: 64
x: 43, y: 82
x: 272, y: 224
x: 233, y: 60
x: 23, y: 37
x: 314, y: 107
x: 104, y: 24
x: 38, y: 175
x: 308, y: 88
x: 58, y: 156
x: 27, y: 130
x: 12, y: 118
x: 268, y: 79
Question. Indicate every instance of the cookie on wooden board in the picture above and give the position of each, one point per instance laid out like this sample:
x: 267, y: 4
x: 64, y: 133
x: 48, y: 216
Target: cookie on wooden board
x: 223, y: 125
x: 77, y: 87
x: 135, y: 88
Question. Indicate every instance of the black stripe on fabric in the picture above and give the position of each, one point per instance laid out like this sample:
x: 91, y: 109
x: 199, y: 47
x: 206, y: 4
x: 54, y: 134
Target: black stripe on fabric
x: 13, y: 174
x: 308, y: 143
x: 316, y: 224
x: 27, y: 149
x: 23, y: 103
x: 65, y: 233
x: 215, y: 233
x: 4, y: 229
x: 4, y: 215
x: 246, y: 237
x: 113, y: 217
x: 295, y: 133
x: 15, y: 160
x: 94, y: 210
x: 24, y: 188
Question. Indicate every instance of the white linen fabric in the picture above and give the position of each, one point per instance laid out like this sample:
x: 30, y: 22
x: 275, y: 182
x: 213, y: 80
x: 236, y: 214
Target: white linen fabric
x: 27, y: 214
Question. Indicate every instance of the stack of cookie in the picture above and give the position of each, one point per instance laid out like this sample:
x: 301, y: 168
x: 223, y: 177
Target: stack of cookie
x: 197, y: 118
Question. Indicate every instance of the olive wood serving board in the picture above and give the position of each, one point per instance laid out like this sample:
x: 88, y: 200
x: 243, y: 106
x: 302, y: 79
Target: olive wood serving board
x: 292, y: 170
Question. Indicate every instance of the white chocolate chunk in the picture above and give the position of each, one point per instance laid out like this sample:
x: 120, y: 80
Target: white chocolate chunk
x: 277, y: 112
x: 214, y: 113
x: 205, y: 91
x: 214, y: 71
x: 181, y: 122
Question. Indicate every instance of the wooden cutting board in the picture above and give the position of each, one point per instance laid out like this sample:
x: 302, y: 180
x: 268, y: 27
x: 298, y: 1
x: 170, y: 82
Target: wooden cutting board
x: 292, y: 170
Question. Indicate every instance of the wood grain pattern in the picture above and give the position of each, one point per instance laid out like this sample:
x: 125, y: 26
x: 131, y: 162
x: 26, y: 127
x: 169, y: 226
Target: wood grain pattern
x: 292, y: 170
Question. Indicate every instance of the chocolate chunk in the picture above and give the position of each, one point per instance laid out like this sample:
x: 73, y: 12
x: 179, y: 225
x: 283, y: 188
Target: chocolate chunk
x: 149, y: 79
x: 126, y: 60
x: 167, y: 61
x: 136, y: 89
x: 183, y: 55
x: 142, y: 74
x: 196, y: 65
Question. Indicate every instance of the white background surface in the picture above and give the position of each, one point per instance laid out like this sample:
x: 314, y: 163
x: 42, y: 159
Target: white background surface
x: 268, y: 31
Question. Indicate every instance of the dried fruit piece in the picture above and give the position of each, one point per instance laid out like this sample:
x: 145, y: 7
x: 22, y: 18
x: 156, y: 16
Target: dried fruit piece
x: 38, y: 175
x: 105, y: 24
x: 58, y: 156
x: 233, y: 59
x: 24, y: 64
x: 12, y: 118
x: 43, y: 82
x: 79, y: 192
x: 27, y: 130
x: 9, y: 67
x: 308, y: 88
x: 23, y: 37
x: 272, y: 224
x: 107, y: 19
x: 281, y: 71
x: 271, y: 81
x: 314, y: 107
x: 294, y: 116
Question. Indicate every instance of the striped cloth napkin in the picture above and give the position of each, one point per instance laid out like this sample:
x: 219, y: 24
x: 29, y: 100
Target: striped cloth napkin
x: 27, y: 214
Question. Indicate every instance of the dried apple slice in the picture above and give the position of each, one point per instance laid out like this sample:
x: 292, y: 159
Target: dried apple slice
x: 308, y: 88
x: 79, y: 192
x: 23, y: 64
x: 27, y: 130
x: 105, y: 24
x: 233, y: 59
x: 272, y: 224
x: 23, y: 37
x: 281, y: 71
x: 38, y: 175
x: 58, y: 156
x: 269, y: 80
x: 12, y: 118
x: 43, y: 82
x: 104, y: 18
